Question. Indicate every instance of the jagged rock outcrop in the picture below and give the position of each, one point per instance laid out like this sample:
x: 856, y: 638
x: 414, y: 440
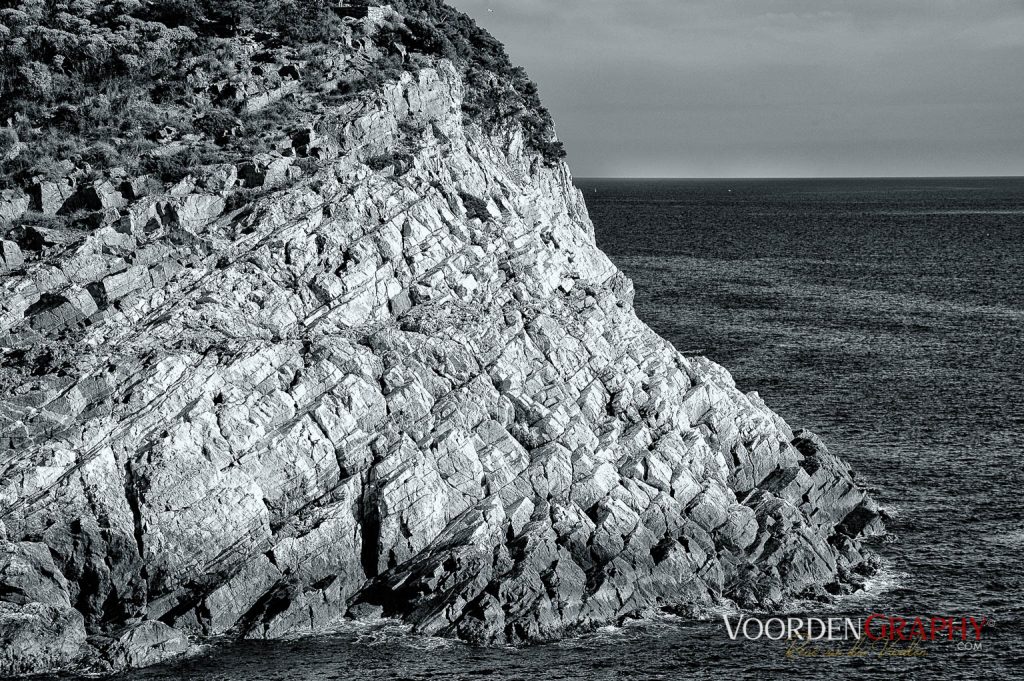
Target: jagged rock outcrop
x: 416, y: 389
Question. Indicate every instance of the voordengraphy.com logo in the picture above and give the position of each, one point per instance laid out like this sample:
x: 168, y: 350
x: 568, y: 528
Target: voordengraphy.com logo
x: 882, y: 634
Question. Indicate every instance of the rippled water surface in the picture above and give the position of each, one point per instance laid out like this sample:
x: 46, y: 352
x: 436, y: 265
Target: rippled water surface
x: 887, y: 315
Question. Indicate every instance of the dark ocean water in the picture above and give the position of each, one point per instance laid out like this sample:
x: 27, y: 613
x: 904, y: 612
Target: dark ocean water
x: 887, y: 315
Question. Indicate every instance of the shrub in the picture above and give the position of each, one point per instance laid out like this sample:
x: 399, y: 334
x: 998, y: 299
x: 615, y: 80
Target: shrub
x: 95, y: 81
x: 217, y: 123
x: 498, y: 93
x: 8, y: 144
x: 400, y: 161
x: 176, y: 166
x: 103, y: 155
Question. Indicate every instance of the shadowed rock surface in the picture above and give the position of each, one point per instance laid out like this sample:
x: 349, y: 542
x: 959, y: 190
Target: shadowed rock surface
x: 400, y: 379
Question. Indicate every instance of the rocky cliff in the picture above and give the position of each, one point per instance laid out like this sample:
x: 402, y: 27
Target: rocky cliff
x: 398, y: 378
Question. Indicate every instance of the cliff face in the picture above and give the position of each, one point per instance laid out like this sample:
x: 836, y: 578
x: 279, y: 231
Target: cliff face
x: 411, y: 387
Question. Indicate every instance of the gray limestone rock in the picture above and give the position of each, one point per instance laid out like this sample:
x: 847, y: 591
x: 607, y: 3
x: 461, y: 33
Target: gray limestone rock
x: 13, y: 205
x: 11, y: 257
x: 51, y: 197
x: 143, y: 644
x: 38, y: 627
x: 37, y: 637
x: 101, y: 195
x: 353, y: 397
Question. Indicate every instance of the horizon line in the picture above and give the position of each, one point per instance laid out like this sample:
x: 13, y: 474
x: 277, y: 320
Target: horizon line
x: 799, y: 177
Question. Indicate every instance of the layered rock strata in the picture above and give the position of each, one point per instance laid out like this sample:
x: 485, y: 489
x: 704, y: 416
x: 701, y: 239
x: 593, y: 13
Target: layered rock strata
x: 420, y: 391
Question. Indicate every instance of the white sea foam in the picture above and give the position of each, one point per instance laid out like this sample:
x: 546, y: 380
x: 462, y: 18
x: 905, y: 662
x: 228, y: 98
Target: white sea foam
x: 886, y: 579
x: 892, y: 510
x: 1010, y: 538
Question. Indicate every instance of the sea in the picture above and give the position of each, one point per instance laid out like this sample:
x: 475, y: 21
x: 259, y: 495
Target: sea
x: 887, y: 315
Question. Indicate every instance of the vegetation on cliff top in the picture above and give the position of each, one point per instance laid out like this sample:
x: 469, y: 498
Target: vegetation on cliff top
x: 102, y: 84
x: 497, y: 90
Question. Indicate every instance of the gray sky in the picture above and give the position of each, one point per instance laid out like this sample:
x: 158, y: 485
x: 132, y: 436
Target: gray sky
x: 761, y: 88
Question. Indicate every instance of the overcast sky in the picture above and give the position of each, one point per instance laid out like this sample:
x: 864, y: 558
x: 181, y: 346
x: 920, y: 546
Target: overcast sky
x: 761, y: 88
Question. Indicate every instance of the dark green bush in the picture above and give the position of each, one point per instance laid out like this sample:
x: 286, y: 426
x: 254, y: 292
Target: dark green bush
x: 96, y: 81
x: 297, y: 22
x: 498, y: 92
x: 218, y: 123
x: 176, y: 166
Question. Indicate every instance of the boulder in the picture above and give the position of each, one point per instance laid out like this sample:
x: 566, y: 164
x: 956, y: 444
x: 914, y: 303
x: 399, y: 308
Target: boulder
x: 51, y: 197
x: 100, y: 196
x: 13, y: 205
x: 143, y: 644
x: 195, y: 211
x: 117, y: 286
x: 61, y: 310
x: 135, y: 188
x: 218, y: 179
x: 11, y: 257
x: 259, y: 99
x: 264, y: 172
x: 28, y: 575
x: 38, y: 627
x: 38, y: 637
